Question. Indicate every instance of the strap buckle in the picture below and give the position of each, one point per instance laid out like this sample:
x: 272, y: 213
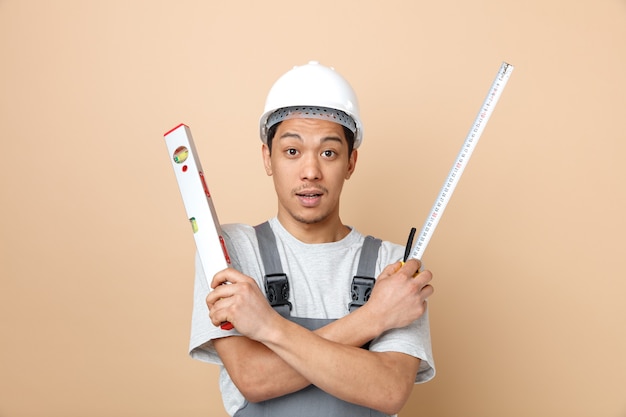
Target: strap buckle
x: 277, y: 290
x: 361, y: 291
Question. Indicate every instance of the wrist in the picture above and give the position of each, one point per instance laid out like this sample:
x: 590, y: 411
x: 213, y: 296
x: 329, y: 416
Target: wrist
x: 271, y: 332
x: 370, y: 321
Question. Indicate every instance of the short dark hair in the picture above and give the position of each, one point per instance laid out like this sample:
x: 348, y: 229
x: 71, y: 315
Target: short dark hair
x: 347, y: 132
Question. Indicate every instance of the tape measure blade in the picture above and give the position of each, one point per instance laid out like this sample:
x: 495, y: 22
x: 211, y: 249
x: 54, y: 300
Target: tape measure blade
x: 462, y: 160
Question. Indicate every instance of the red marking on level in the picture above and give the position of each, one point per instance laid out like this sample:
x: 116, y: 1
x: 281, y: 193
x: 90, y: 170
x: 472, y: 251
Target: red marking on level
x: 171, y: 130
x: 206, y: 188
x: 225, y: 250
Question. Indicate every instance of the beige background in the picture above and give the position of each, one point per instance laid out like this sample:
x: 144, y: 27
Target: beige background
x: 96, y: 260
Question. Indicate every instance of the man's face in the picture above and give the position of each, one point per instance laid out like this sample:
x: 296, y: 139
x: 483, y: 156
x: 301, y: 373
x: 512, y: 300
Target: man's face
x: 309, y: 163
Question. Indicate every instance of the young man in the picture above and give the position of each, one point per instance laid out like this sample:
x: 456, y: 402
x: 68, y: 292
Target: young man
x: 311, y: 336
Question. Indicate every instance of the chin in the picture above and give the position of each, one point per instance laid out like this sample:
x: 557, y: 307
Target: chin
x: 309, y: 219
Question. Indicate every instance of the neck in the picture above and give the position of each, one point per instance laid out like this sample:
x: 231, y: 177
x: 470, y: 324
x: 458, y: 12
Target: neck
x: 325, y: 231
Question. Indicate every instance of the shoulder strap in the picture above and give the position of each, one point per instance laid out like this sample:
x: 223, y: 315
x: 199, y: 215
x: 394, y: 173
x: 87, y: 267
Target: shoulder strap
x: 369, y: 256
x: 277, y: 284
x: 364, y: 280
x: 268, y: 249
x: 275, y: 280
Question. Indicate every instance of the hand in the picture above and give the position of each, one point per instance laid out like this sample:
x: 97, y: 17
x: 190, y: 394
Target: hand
x: 400, y: 293
x: 241, y: 303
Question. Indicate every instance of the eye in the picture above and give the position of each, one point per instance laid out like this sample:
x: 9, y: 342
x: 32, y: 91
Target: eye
x: 291, y: 152
x: 328, y: 153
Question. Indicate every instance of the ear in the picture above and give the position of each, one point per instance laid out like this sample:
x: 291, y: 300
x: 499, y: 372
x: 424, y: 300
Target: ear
x: 352, y: 163
x: 267, y: 159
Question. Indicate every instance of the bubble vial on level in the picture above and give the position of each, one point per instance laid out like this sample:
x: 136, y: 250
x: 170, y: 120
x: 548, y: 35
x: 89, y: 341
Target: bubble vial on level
x: 181, y: 154
x: 194, y: 224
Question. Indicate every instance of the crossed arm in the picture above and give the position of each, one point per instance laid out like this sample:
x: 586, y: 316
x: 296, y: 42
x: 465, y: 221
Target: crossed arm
x: 276, y: 357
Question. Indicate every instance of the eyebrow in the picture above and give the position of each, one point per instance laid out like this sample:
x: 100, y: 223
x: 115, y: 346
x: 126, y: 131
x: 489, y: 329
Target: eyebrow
x: 324, y: 139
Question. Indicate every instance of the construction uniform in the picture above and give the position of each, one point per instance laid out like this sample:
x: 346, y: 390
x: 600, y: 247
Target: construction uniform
x: 321, y: 288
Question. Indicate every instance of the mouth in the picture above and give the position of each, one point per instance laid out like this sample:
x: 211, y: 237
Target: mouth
x: 309, y: 198
x: 309, y: 195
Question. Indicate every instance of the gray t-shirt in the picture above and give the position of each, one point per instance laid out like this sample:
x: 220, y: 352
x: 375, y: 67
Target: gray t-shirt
x: 320, y: 277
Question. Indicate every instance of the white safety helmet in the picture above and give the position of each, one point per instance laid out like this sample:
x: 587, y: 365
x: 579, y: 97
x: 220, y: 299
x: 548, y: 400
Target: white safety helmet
x: 312, y: 91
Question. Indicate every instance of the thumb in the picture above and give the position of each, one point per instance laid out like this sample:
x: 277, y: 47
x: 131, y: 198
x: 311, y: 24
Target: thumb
x: 390, y: 270
x: 223, y: 277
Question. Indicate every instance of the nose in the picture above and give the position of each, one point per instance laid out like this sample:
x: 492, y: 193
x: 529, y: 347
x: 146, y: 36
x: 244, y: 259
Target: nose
x: 311, y: 169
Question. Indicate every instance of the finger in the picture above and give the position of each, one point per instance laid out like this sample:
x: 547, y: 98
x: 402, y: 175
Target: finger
x: 218, y: 318
x: 410, y: 267
x: 218, y: 313
x: 221, y: 292
x: 220, y: 278
x: 423, y: 278
x: 228, y: 275
x: 390, y: 270
x: 211, y: 299
x: 427, y: 291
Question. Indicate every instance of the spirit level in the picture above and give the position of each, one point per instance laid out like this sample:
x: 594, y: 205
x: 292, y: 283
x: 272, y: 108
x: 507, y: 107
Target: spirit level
x: 205, y: 225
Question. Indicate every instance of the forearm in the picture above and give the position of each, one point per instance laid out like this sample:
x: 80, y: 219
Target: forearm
x: 260, y: 374
x: 382, y: 381
x: 274, y: 365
